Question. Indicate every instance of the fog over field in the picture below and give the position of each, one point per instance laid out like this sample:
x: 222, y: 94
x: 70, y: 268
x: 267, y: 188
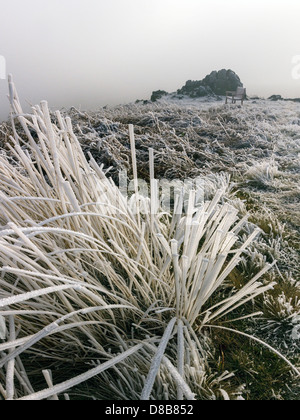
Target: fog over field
x: 97, y: 52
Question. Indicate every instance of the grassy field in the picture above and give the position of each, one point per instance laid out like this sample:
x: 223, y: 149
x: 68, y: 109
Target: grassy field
x: 159, y: 264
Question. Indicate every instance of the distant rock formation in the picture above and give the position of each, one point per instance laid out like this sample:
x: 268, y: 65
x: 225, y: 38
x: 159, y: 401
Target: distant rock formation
x: 217, y: 83
x: 275, y: 98
x: 158, y: 94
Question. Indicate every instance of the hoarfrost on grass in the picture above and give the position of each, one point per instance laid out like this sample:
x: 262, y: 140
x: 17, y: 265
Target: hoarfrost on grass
x: 83, y: 286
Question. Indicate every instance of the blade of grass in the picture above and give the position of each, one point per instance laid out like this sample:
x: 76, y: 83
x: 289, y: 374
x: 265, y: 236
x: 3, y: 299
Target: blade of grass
x: 64, y: 386
x: 155, y: 365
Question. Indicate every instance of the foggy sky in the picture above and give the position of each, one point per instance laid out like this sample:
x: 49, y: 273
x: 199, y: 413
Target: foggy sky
x: 90, y: 53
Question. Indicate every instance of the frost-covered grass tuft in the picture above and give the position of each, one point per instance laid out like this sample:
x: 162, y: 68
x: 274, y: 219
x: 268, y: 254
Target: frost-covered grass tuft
x: 102, y: 297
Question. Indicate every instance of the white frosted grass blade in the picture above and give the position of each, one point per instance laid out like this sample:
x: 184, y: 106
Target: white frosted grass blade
x: 18, y: 342
x: 2, y: 328
x: 214, y: 202
x: 51, y: 136
x: 196, y: 292
x: 86, y: 214
x: 177, y: 274
x: 135, y: 172
x: 193, y: 284
x: 64, y: 386
x: 253, y: 315
x: 181, y: 383
x: 228, y: 243
x: 240, y: 225
x: 154, y: 188
x: 29, y: 343
x: 193, y: 271
x: 31, y: 245
x: 48, y: 377
x: 178, y: 206
x: 30, y: 198
x: 194, y: 240
x: 33, y: 338
x: 141, y: 245
x: 201, y: 275
x: 180, y: 352
x: 216, y: 245
x: 12, y: 300
x: 151, y: 163
x: 188, y: 223
x: 27, y: 312
x: 10, y: 368
x: 255, y: 291
x: 183, y: 296
x: 156, y: 362
x: 70, y: 281
x: 71, y: 196
x: 248, y: 289
x: 164, y: 244
x: 224, y: 395
x: 154, y: 197
x: 246, y: 244
x: 212, y: 277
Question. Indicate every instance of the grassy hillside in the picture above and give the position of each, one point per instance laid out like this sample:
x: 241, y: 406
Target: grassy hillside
x: 191, y: 294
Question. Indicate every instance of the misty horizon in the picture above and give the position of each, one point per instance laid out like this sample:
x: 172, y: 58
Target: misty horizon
x: 93, y: 53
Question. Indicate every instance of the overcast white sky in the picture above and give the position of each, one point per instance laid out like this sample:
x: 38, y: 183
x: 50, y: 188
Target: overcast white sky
x: 97, y: 52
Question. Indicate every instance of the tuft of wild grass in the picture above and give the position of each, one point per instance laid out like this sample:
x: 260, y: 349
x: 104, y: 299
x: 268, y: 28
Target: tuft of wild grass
x: 109, y: 292
x: 263, y: 174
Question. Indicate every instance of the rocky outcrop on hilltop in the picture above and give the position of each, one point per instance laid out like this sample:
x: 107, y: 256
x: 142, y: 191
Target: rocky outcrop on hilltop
x: 217, y: 83
x: 158, y: 94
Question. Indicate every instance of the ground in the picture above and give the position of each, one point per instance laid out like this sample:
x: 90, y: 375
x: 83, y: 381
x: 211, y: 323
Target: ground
x: 254, y: 151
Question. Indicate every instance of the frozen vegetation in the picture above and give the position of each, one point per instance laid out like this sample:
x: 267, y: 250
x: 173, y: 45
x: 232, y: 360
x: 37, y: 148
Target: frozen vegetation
x: 108, y: 296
